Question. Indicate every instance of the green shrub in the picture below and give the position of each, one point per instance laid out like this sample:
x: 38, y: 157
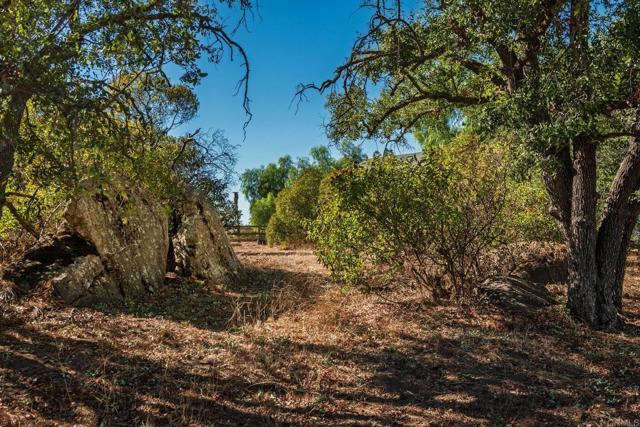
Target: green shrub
x: 438, y: 217
x: 295, y: 208
x: 262, y: 210
x: 527, y: 217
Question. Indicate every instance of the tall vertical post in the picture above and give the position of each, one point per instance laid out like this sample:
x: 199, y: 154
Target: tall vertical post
x: 236, y: 211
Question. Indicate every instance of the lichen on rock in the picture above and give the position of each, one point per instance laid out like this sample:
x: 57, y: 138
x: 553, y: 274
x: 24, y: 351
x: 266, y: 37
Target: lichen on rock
x: 202, y: 249
x: 112, y: 246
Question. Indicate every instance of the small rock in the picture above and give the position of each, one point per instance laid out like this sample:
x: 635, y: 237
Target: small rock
x: 516, y: 294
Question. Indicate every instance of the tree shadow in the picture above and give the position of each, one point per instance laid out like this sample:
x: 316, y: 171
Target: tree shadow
x: 208, y: 306
x: 94, y: 383
x: 512, y: 386
x: 481, y: 378
x: 530, y: 372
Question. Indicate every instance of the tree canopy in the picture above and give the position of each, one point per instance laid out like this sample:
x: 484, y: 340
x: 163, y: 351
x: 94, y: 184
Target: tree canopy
x: 77, y: 75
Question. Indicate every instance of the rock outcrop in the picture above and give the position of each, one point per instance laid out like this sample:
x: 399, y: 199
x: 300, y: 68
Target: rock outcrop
x: 516, y: 294
x: 201, y: 247
x: 114, y: 246
x: 129, y: 230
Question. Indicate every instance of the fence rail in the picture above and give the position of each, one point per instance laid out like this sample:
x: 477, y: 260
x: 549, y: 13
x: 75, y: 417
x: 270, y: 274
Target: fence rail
x: 247, y: 233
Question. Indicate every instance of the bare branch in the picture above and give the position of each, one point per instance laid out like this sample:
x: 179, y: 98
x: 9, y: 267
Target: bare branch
x: 23, y: 223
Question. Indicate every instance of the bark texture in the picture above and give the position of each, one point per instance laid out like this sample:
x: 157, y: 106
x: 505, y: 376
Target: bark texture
x: 582, y: 296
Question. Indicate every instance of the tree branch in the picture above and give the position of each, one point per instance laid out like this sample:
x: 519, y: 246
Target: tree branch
x: 23, y: 223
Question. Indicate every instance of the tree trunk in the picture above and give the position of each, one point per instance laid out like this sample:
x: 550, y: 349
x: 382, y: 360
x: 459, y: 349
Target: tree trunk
x: 558, y: 179
x: 619, y: 219
x: 9, y: 137
x: 611, y: 254
x: 632, y: 218
x: 582, y: 296
x: 597, y: 257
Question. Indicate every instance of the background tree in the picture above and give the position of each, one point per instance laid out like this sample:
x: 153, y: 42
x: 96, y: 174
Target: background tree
x: 561, y: 76
x: 295, y: 208
x: 262, y: 210
x: 258, y: 183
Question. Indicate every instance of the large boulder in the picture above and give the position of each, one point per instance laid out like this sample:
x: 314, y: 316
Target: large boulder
x: 201, y: 246
x: 129, y: 230
x: 113, y: 246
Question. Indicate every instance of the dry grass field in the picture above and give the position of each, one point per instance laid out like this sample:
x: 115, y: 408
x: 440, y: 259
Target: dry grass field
x: 293, y: 349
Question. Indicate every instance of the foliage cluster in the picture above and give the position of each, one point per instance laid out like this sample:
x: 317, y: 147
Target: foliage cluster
x: 84, y: 93
x: 48, y: 172
x: 437, y: 216
x: 295, y: 207
x: 261, y: 186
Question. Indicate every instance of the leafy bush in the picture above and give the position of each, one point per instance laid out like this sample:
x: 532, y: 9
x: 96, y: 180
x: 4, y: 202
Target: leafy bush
x: 258, y: 183
x: 295, y: 208
x: 527, y: 217
x: 262, y: 209
x: 437, y: 217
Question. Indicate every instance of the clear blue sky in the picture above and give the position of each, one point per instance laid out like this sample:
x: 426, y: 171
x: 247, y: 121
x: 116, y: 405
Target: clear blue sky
x: 288, y: 42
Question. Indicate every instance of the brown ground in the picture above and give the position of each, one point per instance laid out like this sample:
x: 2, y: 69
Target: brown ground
x: 329, y: 357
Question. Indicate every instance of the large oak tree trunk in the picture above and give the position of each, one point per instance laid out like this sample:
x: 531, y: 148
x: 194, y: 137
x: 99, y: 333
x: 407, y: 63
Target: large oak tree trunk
x: 617, y: 285
x: 582, y: 296
x: 597, y: 255
x: 619, y: 219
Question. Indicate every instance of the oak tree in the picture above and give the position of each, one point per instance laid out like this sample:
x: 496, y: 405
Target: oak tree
x: 93, y: 71
x: 563, y: 76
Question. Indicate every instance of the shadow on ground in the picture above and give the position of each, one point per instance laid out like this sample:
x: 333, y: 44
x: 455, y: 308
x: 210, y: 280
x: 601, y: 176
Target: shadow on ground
x: 344, y: 360
x: 207, y: 306
x: 62, y: 380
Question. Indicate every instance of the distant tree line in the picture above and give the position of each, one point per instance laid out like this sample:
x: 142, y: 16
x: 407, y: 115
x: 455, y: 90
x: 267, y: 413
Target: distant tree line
x: 273, y: 185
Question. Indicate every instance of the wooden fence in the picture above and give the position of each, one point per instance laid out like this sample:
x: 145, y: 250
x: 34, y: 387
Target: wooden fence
x: 246, y: 233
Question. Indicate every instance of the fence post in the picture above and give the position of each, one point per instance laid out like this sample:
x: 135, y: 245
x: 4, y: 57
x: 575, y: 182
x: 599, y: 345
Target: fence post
x: 237, y: 210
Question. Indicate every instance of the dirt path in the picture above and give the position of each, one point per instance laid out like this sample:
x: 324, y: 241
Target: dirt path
x: 329, y: 357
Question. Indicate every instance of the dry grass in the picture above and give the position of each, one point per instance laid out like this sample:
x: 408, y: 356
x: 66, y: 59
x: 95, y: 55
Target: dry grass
x: 311, y: 354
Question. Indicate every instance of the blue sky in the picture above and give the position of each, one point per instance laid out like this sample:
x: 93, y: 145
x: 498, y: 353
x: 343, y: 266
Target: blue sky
x: 288, y: 42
